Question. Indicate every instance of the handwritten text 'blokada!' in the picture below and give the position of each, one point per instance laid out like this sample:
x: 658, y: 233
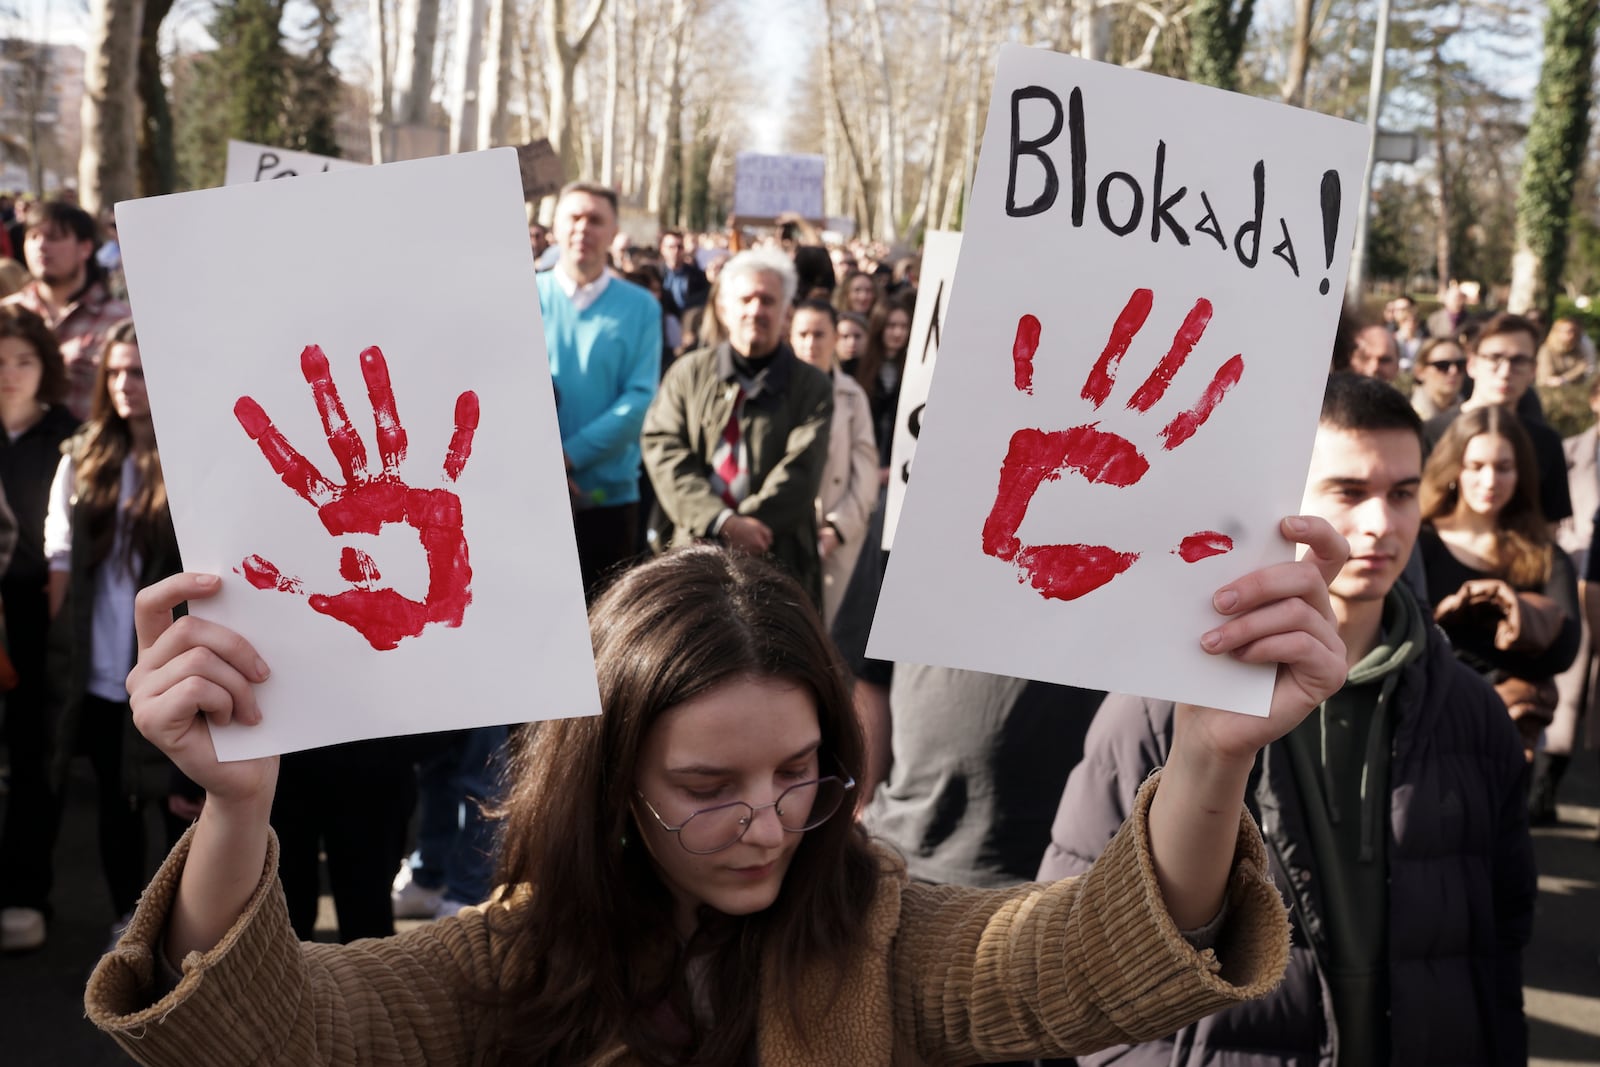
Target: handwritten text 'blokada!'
x: 1125, y: 213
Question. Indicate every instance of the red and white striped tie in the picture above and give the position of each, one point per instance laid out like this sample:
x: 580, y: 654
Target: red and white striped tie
x: 730, y: 467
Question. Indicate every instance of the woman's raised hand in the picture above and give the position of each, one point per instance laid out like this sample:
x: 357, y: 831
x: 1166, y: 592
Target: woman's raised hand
x: 191, y: 674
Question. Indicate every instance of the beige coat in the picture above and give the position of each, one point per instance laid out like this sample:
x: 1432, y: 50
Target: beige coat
x: 849, y: 490
x: 944, y: 975
x: 1579, y: 683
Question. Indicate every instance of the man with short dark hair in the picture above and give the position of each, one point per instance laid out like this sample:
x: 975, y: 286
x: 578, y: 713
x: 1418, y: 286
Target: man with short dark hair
x: 603, y: 337
x: 1394, y: 815
x: 736, y: 440
x: 1500, y: 362
x: 69, y: 291
x: 681, y: 279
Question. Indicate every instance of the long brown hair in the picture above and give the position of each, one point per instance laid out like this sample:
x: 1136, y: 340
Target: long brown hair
x: 106, y: 440
x: 18, y: 322
x: 1522, y: 540
x: 595, y: 953
x: 877, y: 354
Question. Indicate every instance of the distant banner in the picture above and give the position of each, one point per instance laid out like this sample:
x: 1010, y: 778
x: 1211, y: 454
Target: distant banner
x: 765, y: 187
x: 258, y: 162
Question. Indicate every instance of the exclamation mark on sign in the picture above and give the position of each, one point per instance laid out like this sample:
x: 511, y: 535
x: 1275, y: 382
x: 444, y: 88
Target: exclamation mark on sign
x: 1022, y: 350
x: 1330, y: 221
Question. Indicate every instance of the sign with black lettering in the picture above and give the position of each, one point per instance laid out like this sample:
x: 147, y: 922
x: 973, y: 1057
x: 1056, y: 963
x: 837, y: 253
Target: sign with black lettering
x: 1134, y: 356
x: 258, y: 162
x: 939, y: 251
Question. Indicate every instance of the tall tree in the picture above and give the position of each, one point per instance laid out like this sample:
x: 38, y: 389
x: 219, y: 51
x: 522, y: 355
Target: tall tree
x: 563, y: 50
x: 1217, y: 32
x: 413, y: 69
x: 107, y: 165
x: 238, y: 90
x: 158, y: 157
x: 317, y: 88
x: 1557, y: 136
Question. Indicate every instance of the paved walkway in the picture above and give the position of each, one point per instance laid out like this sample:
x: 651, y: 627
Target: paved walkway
x: 41, y: 1005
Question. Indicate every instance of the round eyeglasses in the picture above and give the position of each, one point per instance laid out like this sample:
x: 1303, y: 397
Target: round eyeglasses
x: 801, y: 807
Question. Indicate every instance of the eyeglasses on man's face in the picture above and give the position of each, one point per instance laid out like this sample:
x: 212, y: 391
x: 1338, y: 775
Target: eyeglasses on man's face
x: 803, y: 806
x: 1515, y: 361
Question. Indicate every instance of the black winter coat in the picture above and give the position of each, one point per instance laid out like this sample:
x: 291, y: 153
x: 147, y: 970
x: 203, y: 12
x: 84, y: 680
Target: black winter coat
x: 1461, y: 870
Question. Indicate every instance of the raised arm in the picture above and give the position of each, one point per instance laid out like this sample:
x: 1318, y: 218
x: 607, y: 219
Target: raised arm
x: 1279, y: 614
x: 190, y: 674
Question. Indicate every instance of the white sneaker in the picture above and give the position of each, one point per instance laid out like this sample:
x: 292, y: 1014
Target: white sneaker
x: 21, y: 929
x: 412, y: 901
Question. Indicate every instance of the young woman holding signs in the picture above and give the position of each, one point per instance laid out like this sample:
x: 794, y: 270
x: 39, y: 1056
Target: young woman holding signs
x: 682, y: 880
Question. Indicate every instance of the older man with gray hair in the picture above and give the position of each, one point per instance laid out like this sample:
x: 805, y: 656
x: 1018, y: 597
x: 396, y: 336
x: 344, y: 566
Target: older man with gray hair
x: 737, y: 437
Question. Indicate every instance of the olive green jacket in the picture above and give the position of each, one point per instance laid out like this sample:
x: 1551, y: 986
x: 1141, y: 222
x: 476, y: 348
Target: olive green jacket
x: 784, y: 424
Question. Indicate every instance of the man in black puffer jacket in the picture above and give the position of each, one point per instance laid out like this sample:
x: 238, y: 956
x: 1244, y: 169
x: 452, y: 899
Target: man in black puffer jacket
x: 1395, y: 816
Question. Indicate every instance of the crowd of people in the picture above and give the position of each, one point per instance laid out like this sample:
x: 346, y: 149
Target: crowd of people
x: 681, y: 880
x: 1509, y: 508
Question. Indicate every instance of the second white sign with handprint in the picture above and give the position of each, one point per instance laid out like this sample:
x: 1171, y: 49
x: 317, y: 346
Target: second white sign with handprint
x: 1128, y: 380
x: 357, y: 430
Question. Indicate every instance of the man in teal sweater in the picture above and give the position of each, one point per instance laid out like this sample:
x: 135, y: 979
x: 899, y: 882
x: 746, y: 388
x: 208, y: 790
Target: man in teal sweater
x: 603, y: 336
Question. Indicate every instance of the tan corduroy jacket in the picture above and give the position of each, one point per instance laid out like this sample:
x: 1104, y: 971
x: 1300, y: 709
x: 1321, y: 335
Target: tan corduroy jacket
x: 946, y: 975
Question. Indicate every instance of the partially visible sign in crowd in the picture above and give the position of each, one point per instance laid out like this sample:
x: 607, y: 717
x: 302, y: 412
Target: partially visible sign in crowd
x: 258, y: 162
x: 939, y: 252
x: 766, y: 186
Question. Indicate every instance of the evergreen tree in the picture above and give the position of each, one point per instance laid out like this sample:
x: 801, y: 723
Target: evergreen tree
x: 237, y: 91
x: 1217, y: 33
x: 1557, y: 136
x: 314, y: 104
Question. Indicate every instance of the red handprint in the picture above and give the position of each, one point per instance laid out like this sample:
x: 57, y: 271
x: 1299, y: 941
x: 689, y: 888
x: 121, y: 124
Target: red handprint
x: 367, y: 502
x: 1066, y: 572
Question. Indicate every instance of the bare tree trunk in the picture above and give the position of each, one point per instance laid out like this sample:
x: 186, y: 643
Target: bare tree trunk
x: 1441, y: 143
x: 667, y: 133
x: 525, y: 54
x: 469, y: 46
x: 413, y: 71
x: 563, y: 53
x: 891, y: 172
x: 642, y: 98
x: 494, y: 78
x: 380, y: 114
x: 608, y: 127
x: 107, y: 165
x: 1091, y: 29
x: 864, y: 212
x: 158, y: 159
x: 1294, y: 82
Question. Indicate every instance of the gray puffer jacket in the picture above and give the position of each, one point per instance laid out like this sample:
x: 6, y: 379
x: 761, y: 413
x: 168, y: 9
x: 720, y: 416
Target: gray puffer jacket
x: 1461, y: 868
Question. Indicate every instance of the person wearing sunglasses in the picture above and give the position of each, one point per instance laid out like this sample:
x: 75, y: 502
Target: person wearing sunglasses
x: 683, y: 879
x: 1441, y: 370
x: 1500, y: 362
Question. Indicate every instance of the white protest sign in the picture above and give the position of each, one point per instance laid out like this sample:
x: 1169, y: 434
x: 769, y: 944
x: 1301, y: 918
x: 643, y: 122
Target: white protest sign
x: 765, y: 187
x: 249, y: 162
x: 939, y: 251
x: 367, y: 454
x: 1129, y: 380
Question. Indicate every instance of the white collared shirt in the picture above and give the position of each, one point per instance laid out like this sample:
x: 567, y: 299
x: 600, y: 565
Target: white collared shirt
x: 582, y: 296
